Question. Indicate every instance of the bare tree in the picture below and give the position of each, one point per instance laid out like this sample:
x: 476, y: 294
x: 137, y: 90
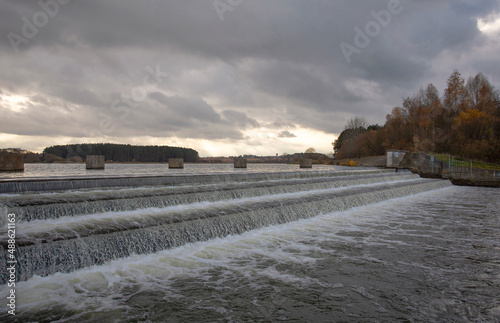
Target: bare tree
x: 356, y: 123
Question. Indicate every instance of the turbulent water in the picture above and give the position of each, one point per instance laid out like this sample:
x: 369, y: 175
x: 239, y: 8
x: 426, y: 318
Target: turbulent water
x: 359, y: 247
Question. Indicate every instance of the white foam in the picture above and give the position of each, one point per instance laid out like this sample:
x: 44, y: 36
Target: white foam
x: 102, y: 287
x: 72, y: 223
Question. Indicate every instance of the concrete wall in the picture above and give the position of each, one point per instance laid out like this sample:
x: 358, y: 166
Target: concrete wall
x: 423, y: 164
x: 395, y: 157
x: 11, y: 162
x: 478, y: 177
x: 240, y: 163
x: 427, y: 166
x: 306, y: 163
x: 175, y: 163
x: 95, y: 162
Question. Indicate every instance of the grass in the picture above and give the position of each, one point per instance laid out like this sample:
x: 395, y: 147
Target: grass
x: 348, y: 163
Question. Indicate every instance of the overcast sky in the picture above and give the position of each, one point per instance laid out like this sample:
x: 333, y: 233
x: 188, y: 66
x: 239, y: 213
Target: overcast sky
x: 227, y: 77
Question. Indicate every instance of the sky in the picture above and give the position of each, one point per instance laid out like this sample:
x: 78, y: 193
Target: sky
x: 227, y: 77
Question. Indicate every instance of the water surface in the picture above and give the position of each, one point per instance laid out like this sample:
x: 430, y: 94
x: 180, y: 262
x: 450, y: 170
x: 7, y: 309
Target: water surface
x: 433, y: 256
x: 32, y: 171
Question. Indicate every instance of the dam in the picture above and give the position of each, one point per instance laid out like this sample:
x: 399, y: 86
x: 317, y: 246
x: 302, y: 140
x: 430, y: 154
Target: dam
x: 104, y: 219
x: 101, y: 232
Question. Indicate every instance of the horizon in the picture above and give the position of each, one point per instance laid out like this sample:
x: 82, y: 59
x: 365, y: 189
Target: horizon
x: 227, y: 79
x: 24, y: 151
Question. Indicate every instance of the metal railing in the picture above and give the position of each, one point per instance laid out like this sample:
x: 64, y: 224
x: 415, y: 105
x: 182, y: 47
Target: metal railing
x: 454, y: 165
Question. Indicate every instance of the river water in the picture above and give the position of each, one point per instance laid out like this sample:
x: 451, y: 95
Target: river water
x: 36, y: 171
x: 428, y: 257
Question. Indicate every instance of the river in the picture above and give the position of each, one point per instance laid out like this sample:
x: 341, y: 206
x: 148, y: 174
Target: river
x: 432, y: 255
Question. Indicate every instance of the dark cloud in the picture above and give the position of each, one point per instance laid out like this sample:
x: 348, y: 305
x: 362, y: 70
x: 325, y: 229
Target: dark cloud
x: 286, y: 134
x: 240, y: 119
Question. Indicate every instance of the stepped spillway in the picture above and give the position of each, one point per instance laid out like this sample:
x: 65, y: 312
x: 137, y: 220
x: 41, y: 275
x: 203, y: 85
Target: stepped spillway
x: 65, y: 225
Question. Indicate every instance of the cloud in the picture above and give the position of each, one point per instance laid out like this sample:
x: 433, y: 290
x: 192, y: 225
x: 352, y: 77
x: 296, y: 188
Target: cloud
x: 228, y: 78
x: 286, y: 134
x: 240, y: 119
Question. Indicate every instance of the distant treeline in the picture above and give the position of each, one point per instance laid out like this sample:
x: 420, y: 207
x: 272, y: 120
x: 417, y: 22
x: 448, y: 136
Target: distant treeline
x: 464, y: 122
x: 284, y: 159
x: 122, y: 153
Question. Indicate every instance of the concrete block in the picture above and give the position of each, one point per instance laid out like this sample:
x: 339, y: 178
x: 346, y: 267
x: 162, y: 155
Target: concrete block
x: 395, y: 157
x: 240, y: 163
x: 95, y: 161
x: 11, y: 162
x: 306, y: 163
x: 175, y: 163
x: 423, y: 164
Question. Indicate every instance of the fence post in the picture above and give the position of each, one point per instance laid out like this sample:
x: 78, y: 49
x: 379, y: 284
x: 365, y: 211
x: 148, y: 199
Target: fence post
x: 471, y: 169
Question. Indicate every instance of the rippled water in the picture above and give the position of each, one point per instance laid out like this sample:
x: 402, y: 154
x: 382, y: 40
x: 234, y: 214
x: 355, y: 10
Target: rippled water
x: 433, y: 256
x: 78, y: 170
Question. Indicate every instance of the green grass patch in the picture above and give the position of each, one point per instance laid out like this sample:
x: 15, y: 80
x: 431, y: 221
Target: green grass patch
x: 466, y: 163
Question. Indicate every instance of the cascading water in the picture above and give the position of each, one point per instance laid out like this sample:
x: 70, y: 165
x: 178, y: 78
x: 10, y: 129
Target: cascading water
x: 68, y: 230
x: 58, y: 184
x: 308, y: 246
x: 47, y: 206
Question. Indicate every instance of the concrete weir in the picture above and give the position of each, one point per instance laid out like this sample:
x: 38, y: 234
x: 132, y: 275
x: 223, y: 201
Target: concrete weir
x: 11, y: 162
x: 240, y: 163
x: 94, y: 226
x: 175, y: 163
x: 12, y: 186
x: 95, y: 162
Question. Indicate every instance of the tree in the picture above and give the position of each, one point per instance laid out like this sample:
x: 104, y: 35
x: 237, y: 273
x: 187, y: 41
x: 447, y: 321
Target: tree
x: 124, y: 153
x: 371, y: 142
x: 434, y: 104
x: 466, y: 123
x: 398, y: 134
x: 482, y: 94
x: 356, y: 123
x: 421, y: 111
x: 456, y: 96
x: 347, y: 138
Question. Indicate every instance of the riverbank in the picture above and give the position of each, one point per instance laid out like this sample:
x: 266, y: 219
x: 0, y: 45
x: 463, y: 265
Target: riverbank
x: 428, y: 166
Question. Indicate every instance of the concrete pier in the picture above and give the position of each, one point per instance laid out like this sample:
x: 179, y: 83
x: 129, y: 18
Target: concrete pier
x: 395, y: 157
x: 240, y: 163
x: 95, y: 161
x: 306, y: 163
x: 11, y: 162
x: 175, y: 163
